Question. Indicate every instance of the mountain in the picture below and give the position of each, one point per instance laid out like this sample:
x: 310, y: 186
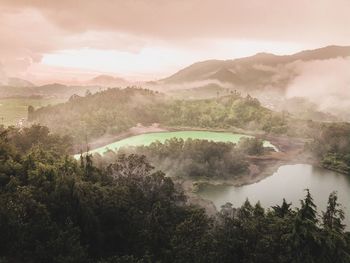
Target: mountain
x: 107, y: 81
x: 253, y: 72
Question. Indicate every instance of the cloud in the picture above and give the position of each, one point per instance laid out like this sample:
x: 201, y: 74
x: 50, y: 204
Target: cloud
x: 29, y: 29
x: 26, y: 36
x: 326, y: 83
x: 290, y: 20
x: 19, y: 42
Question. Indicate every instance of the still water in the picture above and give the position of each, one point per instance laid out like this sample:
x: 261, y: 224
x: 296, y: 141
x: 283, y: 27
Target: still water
x: 288, y: 182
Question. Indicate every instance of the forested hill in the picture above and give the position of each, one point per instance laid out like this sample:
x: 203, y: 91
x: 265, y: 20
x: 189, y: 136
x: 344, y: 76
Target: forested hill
x: 256, y: 71
x: 116, y: 110
x: 56, y: 209
x: 107, y: 112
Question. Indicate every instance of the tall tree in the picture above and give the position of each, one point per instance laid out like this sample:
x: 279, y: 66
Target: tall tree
x: 305, y: 236
x: 335, y: 247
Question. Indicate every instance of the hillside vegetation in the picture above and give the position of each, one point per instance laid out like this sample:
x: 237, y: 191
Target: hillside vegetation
x: 254, y: 72
x: 116, y: 110
x: 331, y: 146
x: 194, y: 158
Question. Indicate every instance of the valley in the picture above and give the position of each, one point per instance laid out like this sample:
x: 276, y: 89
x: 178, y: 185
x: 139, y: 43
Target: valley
x: 188, y: 149
x: 213, y: 131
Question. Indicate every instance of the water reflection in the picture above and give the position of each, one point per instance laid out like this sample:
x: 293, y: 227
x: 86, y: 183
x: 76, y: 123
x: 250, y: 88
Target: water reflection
x: 288, y: 182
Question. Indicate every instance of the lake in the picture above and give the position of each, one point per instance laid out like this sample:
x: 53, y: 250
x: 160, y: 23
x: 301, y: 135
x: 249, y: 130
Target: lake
x: 288, y: 182
x: 148, y: 138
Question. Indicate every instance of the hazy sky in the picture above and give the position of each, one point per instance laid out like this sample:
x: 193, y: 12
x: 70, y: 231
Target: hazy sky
x: 52, y: 40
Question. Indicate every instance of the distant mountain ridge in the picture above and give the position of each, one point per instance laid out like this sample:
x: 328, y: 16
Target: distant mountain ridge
x: 251, y: 72
x: 107, y: 81
x: 15, y: 87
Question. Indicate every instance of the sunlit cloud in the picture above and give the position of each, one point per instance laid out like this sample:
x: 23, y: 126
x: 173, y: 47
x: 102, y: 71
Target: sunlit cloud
x: 153, y: 62
x: 152, y: 39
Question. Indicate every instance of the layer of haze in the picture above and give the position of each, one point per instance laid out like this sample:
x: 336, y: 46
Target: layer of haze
x: 67, y: 40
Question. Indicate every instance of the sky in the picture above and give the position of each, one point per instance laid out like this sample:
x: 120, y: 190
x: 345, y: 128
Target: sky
x: 71, y: 41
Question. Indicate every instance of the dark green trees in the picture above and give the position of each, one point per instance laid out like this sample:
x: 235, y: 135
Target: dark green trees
x: 334, y: 241
x: 305, y: 237
x: 189, y: 158
x: 53, y: 209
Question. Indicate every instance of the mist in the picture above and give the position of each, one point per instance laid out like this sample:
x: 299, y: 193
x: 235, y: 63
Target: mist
x: 325, y: 83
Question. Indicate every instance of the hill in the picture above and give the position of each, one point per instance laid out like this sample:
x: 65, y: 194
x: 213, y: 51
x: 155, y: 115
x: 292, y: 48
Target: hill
x: 113, y: 111
x: 107, y: 81
x: 253, y: 72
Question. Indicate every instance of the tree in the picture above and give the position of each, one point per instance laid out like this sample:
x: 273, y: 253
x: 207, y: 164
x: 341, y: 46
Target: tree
x: 335, y: 247
x: 30, y: 112
x: 305, y: 236
x: 283, y: 210
x: 334, y: 215
x: 192, y: 239
x: 53, y: 210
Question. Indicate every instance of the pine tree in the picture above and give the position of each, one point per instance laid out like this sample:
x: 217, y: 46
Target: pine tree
x: 283, y: 210
x: 305, y: 238
x: 334, y: 242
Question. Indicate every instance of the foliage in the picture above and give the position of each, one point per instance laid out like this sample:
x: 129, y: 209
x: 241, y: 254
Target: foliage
x: 56, y: 209
x: 331, y: 146
x: 251, y: 146
x: 113, y: 111
x: 107, y: 112
x: 191, y: 157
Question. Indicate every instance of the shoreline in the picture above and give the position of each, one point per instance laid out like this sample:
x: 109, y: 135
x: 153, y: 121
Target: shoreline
x: 290, y: 151
x: 261, y: 167
x: 190, y: 186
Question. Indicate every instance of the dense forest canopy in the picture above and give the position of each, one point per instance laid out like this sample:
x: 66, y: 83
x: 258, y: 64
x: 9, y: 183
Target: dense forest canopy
x: 56, y: 209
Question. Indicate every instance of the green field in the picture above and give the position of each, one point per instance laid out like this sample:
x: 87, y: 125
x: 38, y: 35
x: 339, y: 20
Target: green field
x: 12, y: 110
